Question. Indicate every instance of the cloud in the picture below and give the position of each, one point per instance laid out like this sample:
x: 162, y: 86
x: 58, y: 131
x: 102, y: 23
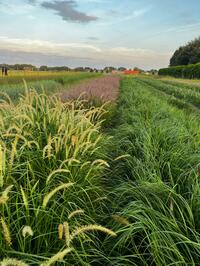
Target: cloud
x: 68, y: 11
x: 46, y: 47
x: 38, y: 59
x: 80, y: 54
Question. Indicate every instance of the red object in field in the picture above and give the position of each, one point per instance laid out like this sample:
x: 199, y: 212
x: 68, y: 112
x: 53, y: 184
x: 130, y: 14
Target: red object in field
x: 131, y: 72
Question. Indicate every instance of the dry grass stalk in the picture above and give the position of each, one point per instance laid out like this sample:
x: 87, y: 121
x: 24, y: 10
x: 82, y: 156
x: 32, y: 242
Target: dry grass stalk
x: 50, y: 194
x: 92, y: 227
x: 4, y: 198
x: 60, y: 231
x: 120, y: 219
x: 12, y: 262
x: 66, y: 233
x: 58, y: 257
x: 6, y: 232
x: 72, y: 214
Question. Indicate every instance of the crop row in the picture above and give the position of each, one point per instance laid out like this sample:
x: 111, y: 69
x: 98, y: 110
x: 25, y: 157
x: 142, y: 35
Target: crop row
x: 51, y: 83
x: 184, y: 93
x: 157, y: 186
x: 16, y: 77
x: 51, y: 163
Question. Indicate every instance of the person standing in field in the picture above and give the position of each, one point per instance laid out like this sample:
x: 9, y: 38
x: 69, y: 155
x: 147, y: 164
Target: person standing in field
x: 6, y: 71
x: 3, y: 70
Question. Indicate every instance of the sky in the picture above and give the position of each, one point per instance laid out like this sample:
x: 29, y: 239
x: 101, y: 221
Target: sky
x: 96, y: 33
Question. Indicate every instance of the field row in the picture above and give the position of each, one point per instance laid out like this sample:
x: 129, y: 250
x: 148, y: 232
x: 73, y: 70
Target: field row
x: 49, y: 82
x: 185, y: 95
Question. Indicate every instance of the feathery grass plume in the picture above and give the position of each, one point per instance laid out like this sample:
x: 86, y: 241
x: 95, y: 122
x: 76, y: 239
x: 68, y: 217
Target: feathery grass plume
x: 122, y: 157
x: 66, y: 233
x: 12, y: 262
x: 120, y: 219
x: 58, y: 257
x: 6, y: 232
x: 24, y: 198
x: 4, y: 198
x: 60, y: 231
x: 100, y: 162
x: 100, y: 199
x: 14, y: 150
x: 50, y: 194
x: 91, y: 227
x: 72, y: 214
x: 27, y: 231
x: 2, y: 165
x: 57, y: 172
x: 74, y: 140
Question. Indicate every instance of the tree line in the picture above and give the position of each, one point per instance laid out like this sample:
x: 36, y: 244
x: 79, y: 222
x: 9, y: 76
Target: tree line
x: 187, y: 54
x: 191, y: 71
x: 185, y: 62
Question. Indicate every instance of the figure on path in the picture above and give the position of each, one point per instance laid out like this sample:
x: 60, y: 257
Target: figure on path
x: 3, y: 70
x: 6, y: 71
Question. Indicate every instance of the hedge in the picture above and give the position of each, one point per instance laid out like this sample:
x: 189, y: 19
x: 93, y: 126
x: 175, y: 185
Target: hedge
x: 190, y: 71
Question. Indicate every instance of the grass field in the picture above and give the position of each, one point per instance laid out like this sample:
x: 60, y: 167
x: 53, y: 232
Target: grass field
x: 51, y: 82
x: 15, y: 77
x: 112, y: 184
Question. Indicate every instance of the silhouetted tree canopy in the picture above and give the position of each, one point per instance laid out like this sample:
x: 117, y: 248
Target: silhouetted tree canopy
x: 188, y: 54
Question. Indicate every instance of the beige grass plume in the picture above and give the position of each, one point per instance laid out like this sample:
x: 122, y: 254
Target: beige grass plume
x: 12, y: 262
x: 120, y: 219
x: 92, y: 227
x: 57, y: 257
x: 50, y: 194
x: 27, y: 231
x: 4, y: 197
x: 6, y: 232
x: 74, y: 213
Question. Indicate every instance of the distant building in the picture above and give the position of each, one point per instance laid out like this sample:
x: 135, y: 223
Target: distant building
x: 131, y: 72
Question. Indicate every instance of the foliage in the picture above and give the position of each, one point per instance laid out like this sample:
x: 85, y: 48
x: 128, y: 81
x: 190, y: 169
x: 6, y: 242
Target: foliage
x: 156, y: 188
x: 51, y: 162
x: 190, y: 71
x: 188, y: 54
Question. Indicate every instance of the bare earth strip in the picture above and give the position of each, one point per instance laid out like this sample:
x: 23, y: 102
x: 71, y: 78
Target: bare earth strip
x: 104, y: 88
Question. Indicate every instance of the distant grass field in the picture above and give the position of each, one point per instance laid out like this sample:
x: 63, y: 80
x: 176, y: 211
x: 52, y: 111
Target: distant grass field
x: 50, y: 82
x: 15, y: 77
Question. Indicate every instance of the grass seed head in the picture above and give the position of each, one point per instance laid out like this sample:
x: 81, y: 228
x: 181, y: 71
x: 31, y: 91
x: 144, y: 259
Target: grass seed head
x: 92, y: 227
x: 50, y: 194
x: 6, y: 232
x: 12, y: 262
x: 74, y: 213
x: 57, y: 257
x: 27, y: 231
x: 60, y: 231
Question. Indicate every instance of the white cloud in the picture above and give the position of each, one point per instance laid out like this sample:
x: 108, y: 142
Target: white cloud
x: 46, y: 47
x: 115, y: 55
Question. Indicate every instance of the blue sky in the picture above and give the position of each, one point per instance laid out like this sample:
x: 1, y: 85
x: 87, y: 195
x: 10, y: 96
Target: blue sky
x: 96, y: 33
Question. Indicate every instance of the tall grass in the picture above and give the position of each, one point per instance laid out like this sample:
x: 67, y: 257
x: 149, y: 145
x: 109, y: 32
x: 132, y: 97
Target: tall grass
x: 15, y: 77
x: 51, y: 162
x: 185, y: 92
x: 157, y: 185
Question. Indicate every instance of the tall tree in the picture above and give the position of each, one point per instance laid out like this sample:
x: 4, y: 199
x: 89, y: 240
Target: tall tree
x: 188, y: 54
